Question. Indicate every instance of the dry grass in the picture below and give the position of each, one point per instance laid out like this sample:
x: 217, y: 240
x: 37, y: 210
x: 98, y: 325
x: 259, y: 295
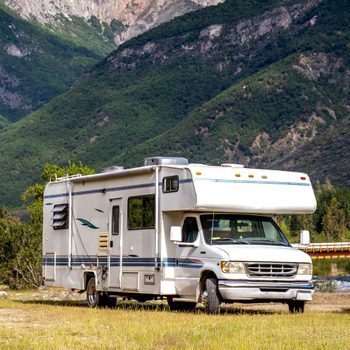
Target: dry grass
x: 57, y: 320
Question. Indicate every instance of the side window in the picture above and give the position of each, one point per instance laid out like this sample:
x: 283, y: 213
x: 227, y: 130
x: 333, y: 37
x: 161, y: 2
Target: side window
x: 189, y: 230
x: 115, y: 220
x: 141, y: 212
x: 170, y: 184
x: 60, y: 218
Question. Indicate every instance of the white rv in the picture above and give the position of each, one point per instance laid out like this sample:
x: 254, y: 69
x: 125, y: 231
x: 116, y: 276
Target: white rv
x: 191, y: 233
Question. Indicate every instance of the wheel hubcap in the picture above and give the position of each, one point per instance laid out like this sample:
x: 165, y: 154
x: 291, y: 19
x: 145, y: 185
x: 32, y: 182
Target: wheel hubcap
x: 92, y: 295
x: 204, y: 298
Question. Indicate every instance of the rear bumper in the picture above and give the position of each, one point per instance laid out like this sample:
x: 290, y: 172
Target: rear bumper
x: 262, y: 290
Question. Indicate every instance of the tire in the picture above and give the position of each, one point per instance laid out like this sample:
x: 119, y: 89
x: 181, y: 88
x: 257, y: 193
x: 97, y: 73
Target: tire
x: 181, y: 305
x: 210, y: 296
x: 296, y: 306
x: 93, y: 297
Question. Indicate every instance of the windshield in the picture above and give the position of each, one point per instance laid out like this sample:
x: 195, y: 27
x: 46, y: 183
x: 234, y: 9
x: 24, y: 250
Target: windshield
x: 241, y: 229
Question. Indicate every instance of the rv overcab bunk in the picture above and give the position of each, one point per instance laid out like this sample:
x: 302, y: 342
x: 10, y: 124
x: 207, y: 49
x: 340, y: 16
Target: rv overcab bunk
x: 190, y: 233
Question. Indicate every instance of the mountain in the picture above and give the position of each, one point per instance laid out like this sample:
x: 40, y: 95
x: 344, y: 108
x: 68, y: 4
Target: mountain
x: 277, y: 117
x: 134, y: 16
x: 4, y: 122
x: 263, y: 83
x: 53, y: 42
x: 37, y: 64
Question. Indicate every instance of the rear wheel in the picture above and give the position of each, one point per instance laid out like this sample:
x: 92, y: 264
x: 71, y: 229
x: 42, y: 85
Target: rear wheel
x: 210, y: 296
x: 181, y: 305
x: 296, y: 306
x: 93, y: 297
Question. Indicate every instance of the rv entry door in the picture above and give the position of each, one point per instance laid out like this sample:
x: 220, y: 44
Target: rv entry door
x: 116, y: 239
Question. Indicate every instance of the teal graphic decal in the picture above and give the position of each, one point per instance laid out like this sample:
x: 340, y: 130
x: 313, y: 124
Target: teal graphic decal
x: 84, y: 222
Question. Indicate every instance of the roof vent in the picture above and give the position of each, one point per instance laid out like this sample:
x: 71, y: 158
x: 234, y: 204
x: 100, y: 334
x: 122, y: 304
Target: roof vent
x: 112, y: 169
x: 166, y: 161
x: 232, y: 165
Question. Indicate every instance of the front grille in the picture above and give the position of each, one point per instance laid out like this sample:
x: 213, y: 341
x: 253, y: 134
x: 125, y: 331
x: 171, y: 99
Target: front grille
x: 271, y: 269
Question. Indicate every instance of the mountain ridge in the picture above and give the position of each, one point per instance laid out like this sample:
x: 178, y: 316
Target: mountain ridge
x: 193, y: 86
x: 46, y: 45
x: 137, y: 15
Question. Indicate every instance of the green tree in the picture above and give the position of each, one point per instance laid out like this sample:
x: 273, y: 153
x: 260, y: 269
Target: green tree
x: 95, y: 22
x: 333, y: 221
x: 292, y: 225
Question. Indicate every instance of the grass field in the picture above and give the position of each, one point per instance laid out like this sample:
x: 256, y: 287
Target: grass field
x: 59, y: 320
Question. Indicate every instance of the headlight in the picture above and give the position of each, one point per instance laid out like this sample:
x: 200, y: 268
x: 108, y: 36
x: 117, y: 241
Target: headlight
x: 305, y: 269
x: 232, y: 267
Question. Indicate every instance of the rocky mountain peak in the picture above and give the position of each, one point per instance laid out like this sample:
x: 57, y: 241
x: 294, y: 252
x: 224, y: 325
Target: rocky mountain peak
x: 137, y: 15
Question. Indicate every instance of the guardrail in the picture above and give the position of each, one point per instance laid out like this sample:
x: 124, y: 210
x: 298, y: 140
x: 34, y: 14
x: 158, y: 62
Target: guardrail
x: 331, y: 250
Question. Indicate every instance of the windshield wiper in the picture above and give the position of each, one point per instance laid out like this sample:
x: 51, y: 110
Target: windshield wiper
x: 268, y: 241
x: 232, y: 241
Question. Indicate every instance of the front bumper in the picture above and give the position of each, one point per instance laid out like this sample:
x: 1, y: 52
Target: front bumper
x: 262, y: 290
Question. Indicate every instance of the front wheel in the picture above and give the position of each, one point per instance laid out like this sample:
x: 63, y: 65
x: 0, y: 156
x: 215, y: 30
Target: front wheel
x: 210, y: 296
x: 296, y: 306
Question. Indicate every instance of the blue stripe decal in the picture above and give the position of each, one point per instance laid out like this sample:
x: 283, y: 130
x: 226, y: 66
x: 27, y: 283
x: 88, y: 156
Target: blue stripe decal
x: 94, y: 261
x: 111, y: 189
x: 100, y: 190
x: 254, y: 182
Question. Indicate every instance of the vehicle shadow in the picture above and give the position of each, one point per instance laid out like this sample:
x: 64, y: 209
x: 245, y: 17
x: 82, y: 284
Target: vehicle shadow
x: 148, y: 306
x: 68, y: 303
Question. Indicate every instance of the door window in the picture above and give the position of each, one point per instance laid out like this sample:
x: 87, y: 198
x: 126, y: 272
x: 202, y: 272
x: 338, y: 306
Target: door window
x: 115, y: 220
x: 190, y: 230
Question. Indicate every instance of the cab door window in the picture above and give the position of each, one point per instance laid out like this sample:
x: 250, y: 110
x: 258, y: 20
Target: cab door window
x: 189, y: 230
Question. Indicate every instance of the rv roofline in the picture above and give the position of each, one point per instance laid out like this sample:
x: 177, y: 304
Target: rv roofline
x: 112, y: 174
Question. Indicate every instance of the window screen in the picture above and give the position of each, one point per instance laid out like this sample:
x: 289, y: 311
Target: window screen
x: 141, y: 212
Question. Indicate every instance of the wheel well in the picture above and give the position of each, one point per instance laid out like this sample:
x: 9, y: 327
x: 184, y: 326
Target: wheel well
x: 205, y: 275
x: 87, y: 276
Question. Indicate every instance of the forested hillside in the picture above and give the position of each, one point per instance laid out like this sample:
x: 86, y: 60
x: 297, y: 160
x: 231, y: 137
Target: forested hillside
x: 46, y: 45
x: 37, y: 64
x: 260, y: 83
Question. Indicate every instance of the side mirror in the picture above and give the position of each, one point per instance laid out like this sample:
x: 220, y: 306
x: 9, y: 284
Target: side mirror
x: 175, y: 234
x: 304, y: 237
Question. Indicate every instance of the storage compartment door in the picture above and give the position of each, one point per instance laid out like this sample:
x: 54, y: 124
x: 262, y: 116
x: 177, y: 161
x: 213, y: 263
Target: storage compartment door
x: 50, y: 267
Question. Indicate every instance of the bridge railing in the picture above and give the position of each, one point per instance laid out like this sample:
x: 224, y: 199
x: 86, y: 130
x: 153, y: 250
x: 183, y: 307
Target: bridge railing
x: 329, y: 250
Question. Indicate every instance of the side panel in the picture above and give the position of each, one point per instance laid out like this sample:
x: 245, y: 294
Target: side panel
x: 182, y: 199
x: 91, y: 238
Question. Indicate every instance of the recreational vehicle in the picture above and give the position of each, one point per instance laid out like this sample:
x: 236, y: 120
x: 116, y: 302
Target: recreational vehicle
x: 189, y: 233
